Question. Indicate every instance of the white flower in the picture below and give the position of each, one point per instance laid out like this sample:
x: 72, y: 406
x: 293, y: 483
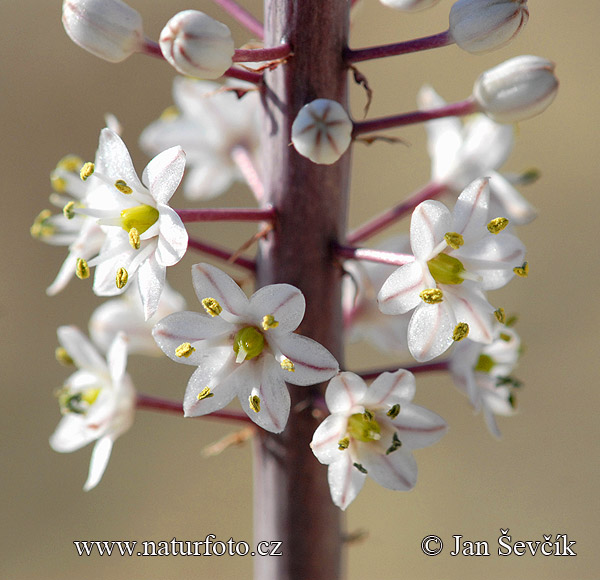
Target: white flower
x: 322, y: 131
x: 143, y: 234
x: 109, y: 29
x: 482, y: 25
x: 457, y: 258
x: 97, y: 401
x: 80, y: 233
x: 197, y: 45
x: 213, y: 123
x: 373, y: 431
x: 243, y: 347
x: 362, y: 318
x: 483, y: 373
x: 517, y: 89
x: 126, y: 314
x: 409, y: 5
x: 461, y: 153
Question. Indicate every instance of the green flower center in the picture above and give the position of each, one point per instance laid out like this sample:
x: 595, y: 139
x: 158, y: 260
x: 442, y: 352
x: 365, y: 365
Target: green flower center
x: 77, y: 403
x: 446, y: 269
x: 248, y: 343
x: 485, y: 363
x: 363, y: 427
x: 140, y: 217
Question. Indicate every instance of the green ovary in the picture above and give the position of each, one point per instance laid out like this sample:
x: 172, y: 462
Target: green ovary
x: 140, y: 217
x: 362, y: 428
x: 485, y: 363
x: 250, y: 341
x: 446, y: 269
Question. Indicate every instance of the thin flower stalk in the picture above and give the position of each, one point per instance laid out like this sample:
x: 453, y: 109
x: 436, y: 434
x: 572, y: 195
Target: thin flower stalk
x: 262, y: 54
x: 431, y: 191
x: 379, y: 256
x: 244, y: 17
x: 438, y: 366
x: 416, y: 45
x: 226, y: 214
x: 221, y: 253
x: 248, y: 169
x: 459, y: 109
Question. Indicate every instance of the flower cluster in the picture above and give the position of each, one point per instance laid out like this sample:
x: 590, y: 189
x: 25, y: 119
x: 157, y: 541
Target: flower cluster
x: 419, y: 296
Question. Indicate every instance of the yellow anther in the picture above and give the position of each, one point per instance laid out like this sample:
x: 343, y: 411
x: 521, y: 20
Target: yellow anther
x: 58, y: 183
x: 170, y: 113
x: 522, y: 271
x: 497, y: 225
x: 394, y: 411
x: 512, y: 320
x: 40, y: 227
x: 530, y: 176
x: 396, y: 444
x: 134, y: 239
x: 500, y: 315
x: 454, y: 240
x: 432, y: 296
x: 461, y: 330
x: 63, y: 357
x: 288, y: 365
x: 205, y: 394
x: 269, y: 322
x: 505, y: 337
x: 212, y: 306
x: 87, y: 170
x: 343, y: 443
x: 68, y: 210
x: 82, y: 270
x: 70, y: 163
x: 121, y: 278
x: 254, y: 401
x: 123, y: 187
x: 90, y: 395
x: 184, y: 350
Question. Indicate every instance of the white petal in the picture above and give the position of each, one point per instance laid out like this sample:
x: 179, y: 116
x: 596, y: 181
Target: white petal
x: 389, y: 389
x: 173, y: 237
x: 400, y: 292
x: 80, y: 349
x: 163, y: 174
x: 210, y: 282
x: 345, y: 481
x: 274, y: 398
x: 418, y: 427
x: 113, y: 160
x: 285, y: 302
x: 313, y: 363
x: 151, y: 281
x: 324, y: 443
x: 430, y: 330
x: 430, y: 221
x: 71, y: 434
x: 117, y: 358
x: 472, y: 209
x: 98, y: 462
x: 344, y: 392
x: 397, y: 471
x: 516, y: 207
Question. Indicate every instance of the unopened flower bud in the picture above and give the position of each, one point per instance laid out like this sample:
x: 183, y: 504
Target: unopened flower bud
x: 109, y: 29
x: 483, y: 25
x: 517, y: 89
x: 197, y: 45
x: 409, y: 5
x: 322, y: 131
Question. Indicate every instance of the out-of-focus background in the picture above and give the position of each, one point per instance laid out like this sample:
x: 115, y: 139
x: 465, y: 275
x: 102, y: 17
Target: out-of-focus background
x: 541, y: 478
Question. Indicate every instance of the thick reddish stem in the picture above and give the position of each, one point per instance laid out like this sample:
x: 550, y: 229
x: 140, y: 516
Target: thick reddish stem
x: 293, y: 502
x: 461, y: 108
x: 416, y: 45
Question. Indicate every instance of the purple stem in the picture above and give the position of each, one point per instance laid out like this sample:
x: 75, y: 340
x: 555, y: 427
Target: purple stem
x: 392, y: 215
x: 221, y: 253
x: 227, y: 214
x: 416, y: 45
x: 150, y: 403
x: 465, y: 107
x: 244, y: 75
x: 379, y: 256
x: 262, y: 54
x: 244, y: 17
x: 152, y: 48
x: 442, y: 365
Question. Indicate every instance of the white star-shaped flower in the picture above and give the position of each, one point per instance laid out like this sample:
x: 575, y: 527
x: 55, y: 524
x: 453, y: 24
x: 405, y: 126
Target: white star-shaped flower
x: 372, y: 430
x: 461, y: 153
x: 243, y: 347
x: 97, y: 401
x: 143, y: 234
x: 211, y: 124
x: 483, y: 373
x: 458, y: 256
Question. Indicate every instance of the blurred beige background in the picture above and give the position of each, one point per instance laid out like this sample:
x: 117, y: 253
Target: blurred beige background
x: 542, y: 478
